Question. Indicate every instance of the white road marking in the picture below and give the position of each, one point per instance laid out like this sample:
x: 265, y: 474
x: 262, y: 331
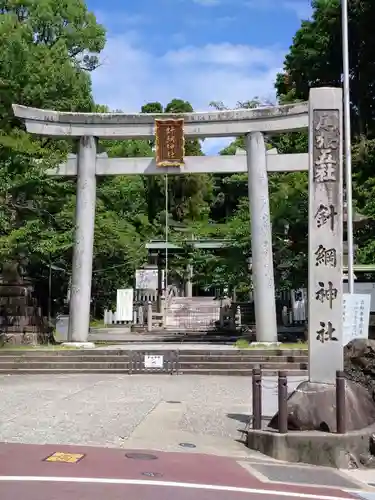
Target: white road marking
x: 168, y: 484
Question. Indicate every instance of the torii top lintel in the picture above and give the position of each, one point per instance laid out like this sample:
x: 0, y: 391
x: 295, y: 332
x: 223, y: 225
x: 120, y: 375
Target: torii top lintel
x: 227, y: 123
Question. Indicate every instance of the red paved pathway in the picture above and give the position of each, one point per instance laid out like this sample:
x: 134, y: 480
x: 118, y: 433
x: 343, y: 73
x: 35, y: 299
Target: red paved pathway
x: 36, y: 479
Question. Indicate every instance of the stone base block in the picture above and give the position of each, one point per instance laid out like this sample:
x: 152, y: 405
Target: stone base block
x: 16, y: 338
x: 265, y: 344
x: 313, y: 447
x: 79, y: 345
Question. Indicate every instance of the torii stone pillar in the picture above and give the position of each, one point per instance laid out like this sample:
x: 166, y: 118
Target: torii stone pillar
x: 261, y: 239
x: 80, y: 298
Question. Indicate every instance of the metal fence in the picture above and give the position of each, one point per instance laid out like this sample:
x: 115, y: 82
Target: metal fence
x: 282, y: 423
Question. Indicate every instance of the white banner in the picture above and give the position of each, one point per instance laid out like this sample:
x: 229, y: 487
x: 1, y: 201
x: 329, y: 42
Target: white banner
x: 124, y: 304
x: 356, y: 316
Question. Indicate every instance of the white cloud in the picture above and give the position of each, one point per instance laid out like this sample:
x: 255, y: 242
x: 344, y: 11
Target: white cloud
x: 130, y: 76
x: 224, y: 54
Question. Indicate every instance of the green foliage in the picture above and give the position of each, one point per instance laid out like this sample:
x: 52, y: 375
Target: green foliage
x: 43, y: 63
x: 315, y: 59
x: 189, y: 195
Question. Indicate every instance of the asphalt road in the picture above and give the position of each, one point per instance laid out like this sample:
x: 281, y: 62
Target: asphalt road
x: 102, y: 473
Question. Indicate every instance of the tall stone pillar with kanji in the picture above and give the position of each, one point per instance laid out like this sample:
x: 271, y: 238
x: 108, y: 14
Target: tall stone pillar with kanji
x: 325, y: 235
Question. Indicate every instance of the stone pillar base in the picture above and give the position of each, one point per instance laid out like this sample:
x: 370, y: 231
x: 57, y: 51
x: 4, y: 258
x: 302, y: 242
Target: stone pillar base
x: 79, y: 345
x: 266, y: 344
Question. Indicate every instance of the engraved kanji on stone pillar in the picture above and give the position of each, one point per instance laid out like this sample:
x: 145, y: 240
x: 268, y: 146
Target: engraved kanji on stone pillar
x: 325, y: 235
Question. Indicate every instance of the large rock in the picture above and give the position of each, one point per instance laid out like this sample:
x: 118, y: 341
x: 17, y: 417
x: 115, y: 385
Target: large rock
x: 313, y: 406
x: 359, y: 361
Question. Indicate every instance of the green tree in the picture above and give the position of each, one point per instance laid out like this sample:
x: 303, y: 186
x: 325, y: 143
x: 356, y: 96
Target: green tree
x: 44, y: 63
x: 315, y: 59
x: 189, y: 195
x: 288, y: 206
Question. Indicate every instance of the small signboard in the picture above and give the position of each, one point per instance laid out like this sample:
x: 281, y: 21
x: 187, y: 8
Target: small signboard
x: 356, y: 316
x: 363, y: 288
x: 154, y: 361
x: 124, y: 305
x: 146, y: 279
x: 170, y: 142
x: 62, y: 327
x: 67, y: 458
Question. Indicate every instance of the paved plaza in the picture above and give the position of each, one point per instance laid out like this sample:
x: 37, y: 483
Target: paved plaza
x: 136, y: 411
x: 101, y: 419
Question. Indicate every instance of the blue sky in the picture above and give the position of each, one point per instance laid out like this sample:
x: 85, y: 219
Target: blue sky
x: 198, y: 50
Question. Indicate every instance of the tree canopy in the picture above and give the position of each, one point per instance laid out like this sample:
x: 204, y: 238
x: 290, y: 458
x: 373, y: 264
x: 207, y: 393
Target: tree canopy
x: 48, y: 51
x: 315, y: 59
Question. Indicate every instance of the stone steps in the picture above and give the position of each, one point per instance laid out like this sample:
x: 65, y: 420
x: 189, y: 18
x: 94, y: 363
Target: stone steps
x: 239, y: 372
x: 233, y: 358
x: 61, y: 371
x: 101, y: 365
x: 64, y: 371
x: 249, y: 365
x: 193, y: 360
x: 285, y: 354
x: 67, y: 365
x: 214, y: 362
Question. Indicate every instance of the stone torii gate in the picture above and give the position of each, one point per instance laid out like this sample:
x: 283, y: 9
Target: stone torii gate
x: 254, y: 124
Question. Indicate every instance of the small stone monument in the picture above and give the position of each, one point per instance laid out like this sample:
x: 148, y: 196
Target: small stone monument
x: 21, y: 319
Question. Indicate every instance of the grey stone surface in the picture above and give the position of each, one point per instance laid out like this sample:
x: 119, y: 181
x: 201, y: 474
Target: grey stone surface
x: 193, y: 165
x: 304, y: 475
x: 313, y: 447
x: 142, y: 118
x: 359, y: 360
x: 261, y: 239
x: 141, y: 126
x: 325, y: 235
x: 80, y: 297
x: 167, y: 346
x: 366, y: 495
x: 116, y: 410
x: 364, y: 476
x: 312, y: 408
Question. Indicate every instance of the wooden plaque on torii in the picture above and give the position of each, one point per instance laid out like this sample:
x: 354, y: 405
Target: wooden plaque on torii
x: 169, y: 142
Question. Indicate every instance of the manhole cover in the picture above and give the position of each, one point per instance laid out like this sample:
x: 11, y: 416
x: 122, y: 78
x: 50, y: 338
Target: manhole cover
x: 187, y: 445
x: 152, y: 474
x: 141, y: 456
